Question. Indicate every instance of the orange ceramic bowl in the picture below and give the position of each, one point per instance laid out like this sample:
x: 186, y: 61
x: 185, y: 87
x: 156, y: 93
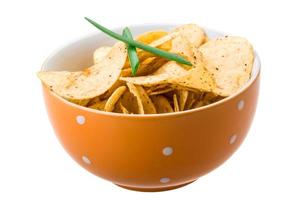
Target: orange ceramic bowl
x: 148, y: 152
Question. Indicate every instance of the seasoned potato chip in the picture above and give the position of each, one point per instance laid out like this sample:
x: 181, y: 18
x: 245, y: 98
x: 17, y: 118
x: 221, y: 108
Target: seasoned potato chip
x: 109, y: 92
x: 147, y: 67
x: 230, y: 59
x: 198, y: 78
x: 112, y: 100
x: 100, y: 53
x: 193, y: 33
x: 91, y: 82
x: 181, y: 46
x: 162, y: 104
x: 98, y: 105
x: 161, y: 76
x: 175, y: 102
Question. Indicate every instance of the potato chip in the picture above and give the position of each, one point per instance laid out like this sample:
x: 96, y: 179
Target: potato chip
x: 198, y: 78
x: 161, y: 76
x: 162, y: 104
x: 192, y: 98
x: 145, y: 104
x: 148, y: 105
x: 192, y: 33
x: 175, y: 102
x: 109, y: 92
x: 147, y: 67
x: 149, y: 37
x: 89, y: 83
x: 183, y: 95
x: 133, y: 89
x: 112, y: 100
x: 82, y: 102
x: 161, y: 91
x: 230, y: 59
x: 198, y: 104
x: 181, y: 46
x: 129, y: 101
x: 124, y: 110
x: 100, y: 53
x: 98, y: 105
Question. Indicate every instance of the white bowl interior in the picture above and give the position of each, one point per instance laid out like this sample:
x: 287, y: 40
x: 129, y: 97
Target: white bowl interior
x: 79, y: 54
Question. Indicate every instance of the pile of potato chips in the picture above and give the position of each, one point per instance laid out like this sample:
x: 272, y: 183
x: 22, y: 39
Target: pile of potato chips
x: 220, y: 68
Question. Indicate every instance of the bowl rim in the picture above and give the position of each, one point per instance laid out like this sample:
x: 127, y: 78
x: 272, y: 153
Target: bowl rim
x: 256, y: 64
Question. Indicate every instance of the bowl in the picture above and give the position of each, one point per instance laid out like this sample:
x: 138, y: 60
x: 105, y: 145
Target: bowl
x: 147, y: 152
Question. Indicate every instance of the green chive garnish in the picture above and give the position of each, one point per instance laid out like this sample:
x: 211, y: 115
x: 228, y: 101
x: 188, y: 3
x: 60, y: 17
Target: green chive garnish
x: 156, y: 51
x: 132, y: 55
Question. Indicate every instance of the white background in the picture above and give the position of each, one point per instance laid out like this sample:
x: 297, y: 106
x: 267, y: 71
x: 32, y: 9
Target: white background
x: 33, y: 165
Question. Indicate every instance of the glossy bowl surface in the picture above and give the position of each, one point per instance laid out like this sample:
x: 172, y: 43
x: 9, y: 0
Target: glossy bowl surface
x: 150, y: 152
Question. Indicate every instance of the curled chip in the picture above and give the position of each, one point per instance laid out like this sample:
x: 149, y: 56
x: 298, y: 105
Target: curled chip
x: 98, y: 105
x: 175, y: 102
x: 130, y: 102
x: 133, y: 89
x: 169, y: 70
x: 162, y: 104
x: 144, y: 102
x: 112, y: 100
x: 183, y: 95
x: 100, y: 53
x: 230, y: 60
x: 91, y: 82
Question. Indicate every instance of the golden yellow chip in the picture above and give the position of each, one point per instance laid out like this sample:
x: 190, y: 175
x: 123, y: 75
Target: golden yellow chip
x: 100, y: 53
x: 175, y: 102
x: 98, y: 105
x: 169, y: 70
x: 91, y: 82
x: 149, y: 37
x: 148, y: 105
x: 183, y: 95
x: 129, y: 101
x: 162, y: 104
x: 145, y: 104
x: 161, y: 91
x: 133, y: 89
x: 112, y: 100
x: 230, y: 60
x: 124, y: 109
x: 192, y: 98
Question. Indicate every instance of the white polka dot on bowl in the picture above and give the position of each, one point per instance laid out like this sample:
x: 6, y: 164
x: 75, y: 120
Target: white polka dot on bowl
x: 164, y: 180
x: 232, y: 139
x: 167, y: 151
x: 80, y: 119
x: 86, y: 160
x: 240, y: 105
